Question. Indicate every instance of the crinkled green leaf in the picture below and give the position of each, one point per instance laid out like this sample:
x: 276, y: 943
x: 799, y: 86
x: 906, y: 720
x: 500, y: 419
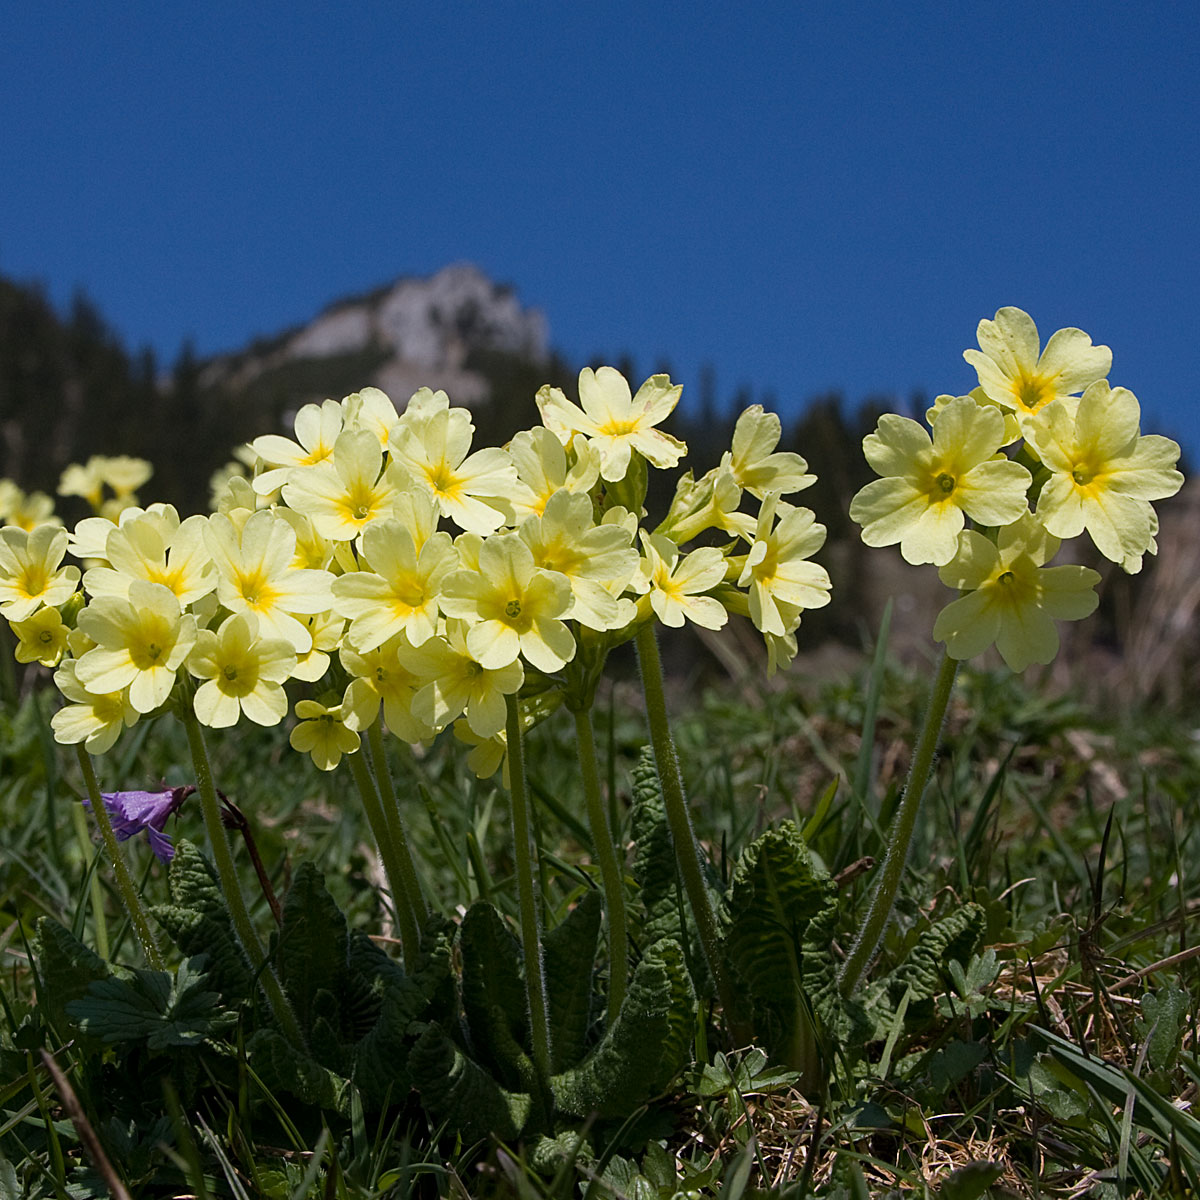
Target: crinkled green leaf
x: 67, y: 968
x: 381, y: 1068
x: 643, y: 1049
x: 1162, y: 1021
x: 776, y: 892
x: 153, y: 1006
x: 313, y: 946
x: 493, y: 995
x: 569, y: 953
x: 458, y: 1091
x: 953, y: 938
x: 284, y: 1068
x: 663, y: 913
x: 198, y: 920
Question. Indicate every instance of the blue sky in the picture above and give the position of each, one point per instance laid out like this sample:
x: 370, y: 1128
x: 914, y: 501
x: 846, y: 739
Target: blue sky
x: 807, y: 196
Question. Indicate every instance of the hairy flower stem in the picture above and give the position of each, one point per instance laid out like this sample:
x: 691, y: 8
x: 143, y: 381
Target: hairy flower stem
x: 900, y: 838
x: 406, y: 919
x: 610, y: 865
x: 531, y: 921
x: 395, y: 823
x: 231, y: 887
x: 683, y: 836
x: 125, y: 885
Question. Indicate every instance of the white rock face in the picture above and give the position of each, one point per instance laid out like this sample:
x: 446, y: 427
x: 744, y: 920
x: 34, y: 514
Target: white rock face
x: 429, y: 326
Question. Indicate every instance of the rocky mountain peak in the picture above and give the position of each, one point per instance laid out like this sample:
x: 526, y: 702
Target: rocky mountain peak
x: 418, y: 332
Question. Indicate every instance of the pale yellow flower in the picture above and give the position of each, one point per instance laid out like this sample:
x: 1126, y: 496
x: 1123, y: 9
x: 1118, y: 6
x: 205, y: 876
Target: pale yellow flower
x: 140, y: 644
x: 781, y: 580
x: 615, y: 422
x: 1012, y: 598
x: 755, y: 463
x: 96, y: 719
x: 28, y: 510
x: 677, y: 586
x: 325, y: 629
x: 544, y: 468
x: 317, y: 427
x: 459, y: 683
x: 598, y: 560
x: 345, y: 493
x: 255, y: 574
x: 400, y: 590
x: 322, y: 734
x: 243, y: 673
x: 372, y: 410
x: 1103, y: 472
x: 31, y: 574
x: 434, y: 452
x: 158, y: 547
x: 42, y: 638
x: 512, y: 606
x: 928, y: 484
x: 385, y: 676
x: 83, y: 480
x: 1017, y: 377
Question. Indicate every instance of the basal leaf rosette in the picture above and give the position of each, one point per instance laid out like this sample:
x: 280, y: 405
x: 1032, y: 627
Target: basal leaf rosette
x: 1012, y: 598
x: 1103, y: 473
x: 1016, y: 374
x: 930, y: 484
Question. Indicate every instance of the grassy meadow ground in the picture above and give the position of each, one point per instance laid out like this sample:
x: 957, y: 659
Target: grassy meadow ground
x: 1058, y: 1059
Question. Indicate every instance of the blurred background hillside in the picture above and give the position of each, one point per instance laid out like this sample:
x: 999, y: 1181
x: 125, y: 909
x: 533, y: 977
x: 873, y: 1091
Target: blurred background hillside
x: 69, y: 388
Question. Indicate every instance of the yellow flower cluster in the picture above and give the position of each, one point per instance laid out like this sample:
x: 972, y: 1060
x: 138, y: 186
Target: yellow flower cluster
x: 1042, y: 450
x: 443, y: 578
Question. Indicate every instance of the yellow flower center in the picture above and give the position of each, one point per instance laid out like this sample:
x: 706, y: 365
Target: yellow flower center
x: 512, y: 608
x: 946, y: 483
x: 45, y: 637
x: 1006, y: 578
x: 34, y: 582
x: 1032, y: 391
x: 1083, y: 478
x: 230, y: 672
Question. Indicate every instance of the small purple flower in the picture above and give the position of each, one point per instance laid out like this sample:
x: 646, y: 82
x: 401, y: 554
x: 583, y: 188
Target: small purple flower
x: 131, y: 812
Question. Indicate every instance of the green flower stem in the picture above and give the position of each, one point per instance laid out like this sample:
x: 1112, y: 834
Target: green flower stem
x: 610, y: 865
x: 406, y: 920
x: 395, y: 822
x: 900, y: 838
x: 683, y: 836
x: 531, y: 923
x: 125, y: 885
x: 231, y: 887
